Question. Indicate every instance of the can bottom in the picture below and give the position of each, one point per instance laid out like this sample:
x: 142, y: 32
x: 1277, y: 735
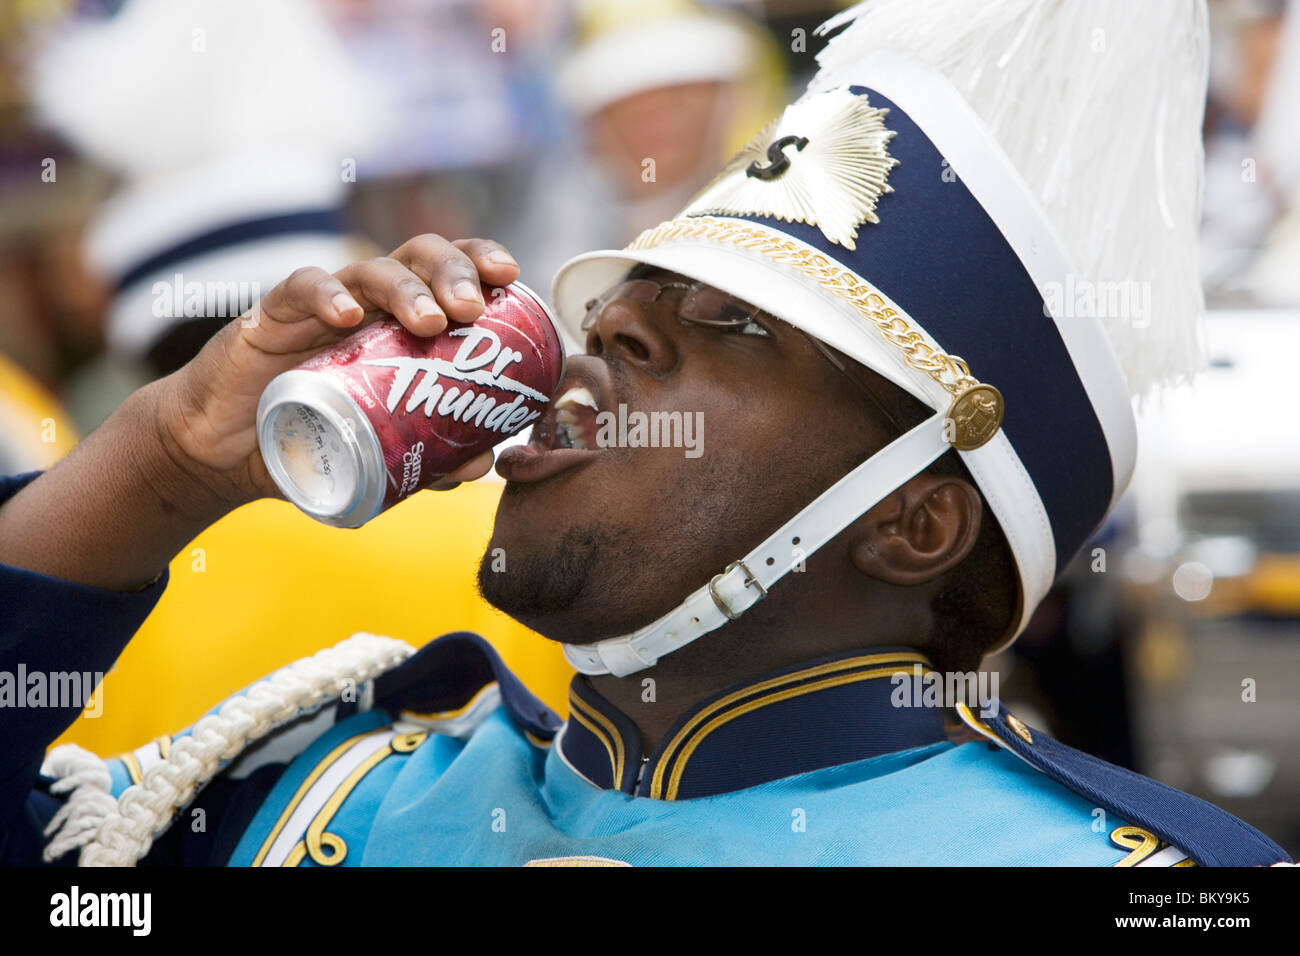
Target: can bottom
x: 315, y: 442
x: 312, y: 455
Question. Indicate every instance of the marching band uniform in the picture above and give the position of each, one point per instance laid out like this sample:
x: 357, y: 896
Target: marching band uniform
x: 902, y: 212
x: 451, y: 761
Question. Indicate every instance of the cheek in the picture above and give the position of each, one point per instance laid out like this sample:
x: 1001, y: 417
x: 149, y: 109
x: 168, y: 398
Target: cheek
x: 749, y: 448
x: 757, y: 422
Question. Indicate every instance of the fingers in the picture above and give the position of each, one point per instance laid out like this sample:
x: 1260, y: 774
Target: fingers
x: 494, y: 263
x: 388, y: 286
x: 424, y: 283
x: 449, y: 273
x: 312, y: 291
x: 470, y: 471
x: 455, y: 271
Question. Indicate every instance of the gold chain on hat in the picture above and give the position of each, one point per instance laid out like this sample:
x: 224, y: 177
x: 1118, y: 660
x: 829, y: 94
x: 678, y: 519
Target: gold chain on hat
x: 977, y: 409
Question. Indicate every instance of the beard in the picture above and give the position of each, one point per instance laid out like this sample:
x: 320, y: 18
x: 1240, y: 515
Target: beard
x: 602, y: 578
x: 590, y: 582
x: 548, y: 579
x: 579, y: 586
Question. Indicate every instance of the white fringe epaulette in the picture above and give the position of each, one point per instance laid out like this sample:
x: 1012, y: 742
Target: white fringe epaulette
x: 119, y: 832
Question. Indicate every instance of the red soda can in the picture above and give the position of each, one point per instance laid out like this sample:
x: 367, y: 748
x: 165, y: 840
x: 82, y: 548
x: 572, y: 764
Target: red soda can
x: 368, y: 422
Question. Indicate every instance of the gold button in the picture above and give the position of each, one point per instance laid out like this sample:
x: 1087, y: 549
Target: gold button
x: 1019, y: 729
x: 976, y: 415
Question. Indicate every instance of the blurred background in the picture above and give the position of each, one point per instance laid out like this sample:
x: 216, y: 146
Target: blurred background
x: 164, y: 162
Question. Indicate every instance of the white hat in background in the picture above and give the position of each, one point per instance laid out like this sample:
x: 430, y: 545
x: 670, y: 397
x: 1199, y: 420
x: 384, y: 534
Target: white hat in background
x: 637, y: 45
x: 232, y: 124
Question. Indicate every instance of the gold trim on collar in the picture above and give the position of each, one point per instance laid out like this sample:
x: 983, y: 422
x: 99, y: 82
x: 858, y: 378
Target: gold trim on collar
x: 708, y: 719
x: 585, y: 714
x: 447, y: 715
x: 296, y: 855
x: 968, y: 716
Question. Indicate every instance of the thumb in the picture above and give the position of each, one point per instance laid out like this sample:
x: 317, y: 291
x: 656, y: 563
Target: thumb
x: 470, y: 471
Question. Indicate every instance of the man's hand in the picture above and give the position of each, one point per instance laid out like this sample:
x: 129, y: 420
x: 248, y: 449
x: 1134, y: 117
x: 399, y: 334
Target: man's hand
x: 207, y: 410
x: 182, y: 452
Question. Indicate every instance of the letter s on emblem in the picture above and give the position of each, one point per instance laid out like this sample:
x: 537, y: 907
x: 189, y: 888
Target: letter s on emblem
x: 778, y: 161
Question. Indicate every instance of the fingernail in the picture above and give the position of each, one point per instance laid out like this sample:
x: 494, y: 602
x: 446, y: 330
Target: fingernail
x: 502, y: 258
x: 467, y: 291
x: 424, y: 305
x: 344, y: 303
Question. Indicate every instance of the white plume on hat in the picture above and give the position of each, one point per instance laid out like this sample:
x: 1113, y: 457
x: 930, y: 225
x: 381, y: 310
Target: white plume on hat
x: 1078, y: 94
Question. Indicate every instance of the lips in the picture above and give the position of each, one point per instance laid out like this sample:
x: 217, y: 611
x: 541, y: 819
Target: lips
x: 564, y: 437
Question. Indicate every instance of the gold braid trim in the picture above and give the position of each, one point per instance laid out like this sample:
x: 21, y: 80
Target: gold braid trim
x: 950, y: 371
x: 977, y: 409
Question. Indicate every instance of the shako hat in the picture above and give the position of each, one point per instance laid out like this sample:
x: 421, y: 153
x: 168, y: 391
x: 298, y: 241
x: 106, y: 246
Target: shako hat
x: 993, y: 206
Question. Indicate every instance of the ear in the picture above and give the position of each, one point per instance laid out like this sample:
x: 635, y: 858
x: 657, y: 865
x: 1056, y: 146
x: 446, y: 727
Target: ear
x: 920, y: 531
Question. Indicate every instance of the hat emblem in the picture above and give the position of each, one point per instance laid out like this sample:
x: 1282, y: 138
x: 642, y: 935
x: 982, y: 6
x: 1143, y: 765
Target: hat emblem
x: 823, y: 162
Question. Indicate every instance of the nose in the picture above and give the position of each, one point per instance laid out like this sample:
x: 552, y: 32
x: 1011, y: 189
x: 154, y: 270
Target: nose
x: 635, y: 332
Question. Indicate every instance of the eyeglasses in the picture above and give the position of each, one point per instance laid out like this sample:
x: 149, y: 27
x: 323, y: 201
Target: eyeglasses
x: 844, y: 364
x: 702, y: 304
x: 699, y: 304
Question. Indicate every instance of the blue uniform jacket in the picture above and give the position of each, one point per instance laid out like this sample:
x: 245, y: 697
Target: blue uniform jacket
x: 448, y: 759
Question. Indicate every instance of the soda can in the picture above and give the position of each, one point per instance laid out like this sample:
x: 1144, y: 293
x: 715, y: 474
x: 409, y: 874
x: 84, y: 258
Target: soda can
x: 371, y: 420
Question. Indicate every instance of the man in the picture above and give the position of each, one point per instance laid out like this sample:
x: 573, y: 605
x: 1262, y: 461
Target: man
x: 866, y: 503
x: 661, y: 92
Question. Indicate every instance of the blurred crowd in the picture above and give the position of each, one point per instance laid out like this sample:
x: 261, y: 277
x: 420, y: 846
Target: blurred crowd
x: 325, y: 128
x: 135, y: 145
x: 161, y: 161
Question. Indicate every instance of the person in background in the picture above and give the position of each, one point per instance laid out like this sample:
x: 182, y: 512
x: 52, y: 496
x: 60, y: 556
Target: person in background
x: 1251, y: 227
x: 661, y: 91
x: 234, y: 151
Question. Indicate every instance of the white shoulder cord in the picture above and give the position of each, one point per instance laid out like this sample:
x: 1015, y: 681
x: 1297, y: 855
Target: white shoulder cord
x: 744, y: 582
x: 85, y: 778
x: 120, y: 832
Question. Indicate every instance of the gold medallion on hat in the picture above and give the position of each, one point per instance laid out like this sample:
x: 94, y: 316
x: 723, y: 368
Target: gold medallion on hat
x: 975, y: 414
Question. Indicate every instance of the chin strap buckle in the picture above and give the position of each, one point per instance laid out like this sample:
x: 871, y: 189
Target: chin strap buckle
x: 731, y: 594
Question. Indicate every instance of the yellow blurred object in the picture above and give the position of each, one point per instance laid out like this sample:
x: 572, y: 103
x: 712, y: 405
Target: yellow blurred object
x: 267, y: 585
x: 593, y: 18
x: 35, y: 431
x: 762, y: 90
x: 1273, y: 585
x: 1161, y: 657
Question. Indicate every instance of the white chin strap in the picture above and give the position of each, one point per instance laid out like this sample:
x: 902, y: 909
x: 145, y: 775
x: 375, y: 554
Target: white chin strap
x: 743, y: 583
